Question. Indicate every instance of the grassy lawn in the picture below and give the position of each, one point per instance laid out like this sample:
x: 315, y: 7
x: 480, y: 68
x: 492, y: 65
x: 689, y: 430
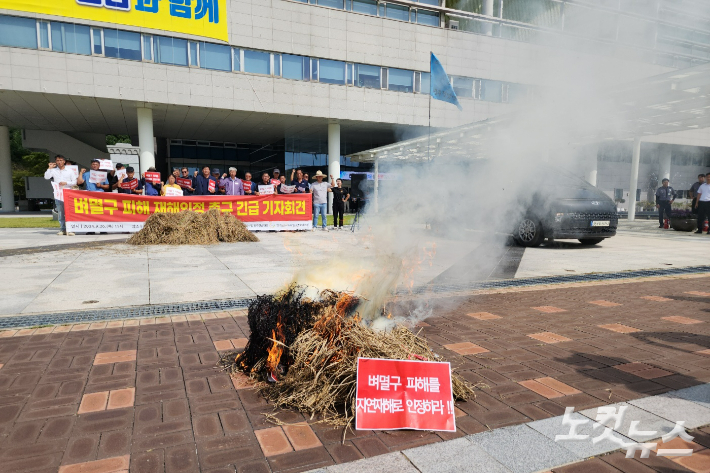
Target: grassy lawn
x: 347, y: 219
x: 28, y: 222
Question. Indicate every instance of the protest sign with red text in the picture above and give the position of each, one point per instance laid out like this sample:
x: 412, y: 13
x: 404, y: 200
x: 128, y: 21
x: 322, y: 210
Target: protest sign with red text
x: 183, y: 182
x: 211, y: 186
x: 132, y: 184
x: 153, y: 177
x: 402, y: 394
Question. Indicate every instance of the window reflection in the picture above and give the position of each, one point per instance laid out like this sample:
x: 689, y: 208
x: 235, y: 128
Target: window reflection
x: 170, y: 50
x: 397, y: 12
x: 400, y: 80
x: 215, y: 56
x: 369, y: 7
x: 256, y: 62
x: 122, y: 44
x: 70, y: 38
x: 18, y: 32
x: 294, y: 67
x: 367, y: 76
x: 332, y: 72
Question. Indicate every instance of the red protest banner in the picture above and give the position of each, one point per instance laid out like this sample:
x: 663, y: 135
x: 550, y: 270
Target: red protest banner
x: 132, y: 184
x: 99, y: 211
x: 182, y: 182
x: 402, y: 394
x: 152, y: 177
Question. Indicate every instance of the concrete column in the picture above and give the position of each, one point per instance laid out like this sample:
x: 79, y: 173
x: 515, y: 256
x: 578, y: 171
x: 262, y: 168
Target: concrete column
x: 377, y: 184
x: 633, y: 183
x: 488, y: 10
x: 6, y: 189
x: 333, y: 156
x: 146, y: 141
x: 664, y: 163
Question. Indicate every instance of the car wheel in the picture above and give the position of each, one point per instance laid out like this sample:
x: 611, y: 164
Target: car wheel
x: 590, y: 241
x: 529, y: 233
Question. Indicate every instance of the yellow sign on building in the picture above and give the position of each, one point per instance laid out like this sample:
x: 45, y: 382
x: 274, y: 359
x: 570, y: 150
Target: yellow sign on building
x: 206, y: 18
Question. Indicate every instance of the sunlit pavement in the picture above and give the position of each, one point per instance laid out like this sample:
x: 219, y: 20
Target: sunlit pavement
x: 147, y: 394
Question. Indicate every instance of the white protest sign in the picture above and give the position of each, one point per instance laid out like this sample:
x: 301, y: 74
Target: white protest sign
x: 172, y: 192
x: 75, y: 169
x: 105, y: 164
x: 121, y: 174
x: 266, y: 189
x: 58, y: 191
x: 287, y: 189
x: 97, y: 177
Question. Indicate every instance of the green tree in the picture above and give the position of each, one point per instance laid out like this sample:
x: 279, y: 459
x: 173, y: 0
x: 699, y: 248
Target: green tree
x: 113, y: 139
x: 25, y: 163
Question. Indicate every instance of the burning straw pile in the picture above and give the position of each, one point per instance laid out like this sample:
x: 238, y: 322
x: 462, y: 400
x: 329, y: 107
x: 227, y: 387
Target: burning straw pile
x: 307, y: 351
x: 192, y: 228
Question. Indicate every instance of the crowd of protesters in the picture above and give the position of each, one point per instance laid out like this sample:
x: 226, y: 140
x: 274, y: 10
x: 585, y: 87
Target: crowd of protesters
x: 206, y: 182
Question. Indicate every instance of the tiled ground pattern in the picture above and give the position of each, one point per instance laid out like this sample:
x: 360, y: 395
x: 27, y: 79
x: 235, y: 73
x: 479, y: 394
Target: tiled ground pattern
x: 185, y: 415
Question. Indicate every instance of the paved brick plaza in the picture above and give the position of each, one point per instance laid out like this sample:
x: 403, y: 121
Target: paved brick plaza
x: 148, y: 396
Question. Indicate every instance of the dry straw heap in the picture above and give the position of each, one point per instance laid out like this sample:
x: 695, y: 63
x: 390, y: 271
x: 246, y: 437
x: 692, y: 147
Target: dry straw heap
x: 192, y: 228
x: 310, y: 349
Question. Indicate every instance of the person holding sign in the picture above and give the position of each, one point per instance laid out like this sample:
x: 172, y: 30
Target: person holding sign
x: 339, y: 199
x: 202, y: 183
x: 320, y: 191
x: 64, y: 178
x: 248, y: 186
x: 276, y: 180
x: 176, y: 190
x: 151, y: 182
x: 265, y: 187
x: 116, y: 177
x: 130, y: 185
x: 300, y: 182
x: 186, y: 182
x: 282, y: 181
x: 95, y: 184
x: 231, y: 185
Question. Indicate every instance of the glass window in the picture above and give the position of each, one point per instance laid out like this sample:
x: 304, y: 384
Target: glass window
x: 170, y: 50
x: 97, y: 41
x: 71, y: 38
x: 429, y: 2
x: 194, y: 53
x: 332, y: 72
x: 491, y: 90
x: 295, y: 67
x: 367, y: 76
x: 426, y: 17
x: 331, y: 3
x: 314, y: 69
x: 426, y: 83
x: 463, y: 86
x: 122, y: 44
x: 256, y: 62
x: 350, y: 73
x: 397, y: 12
x: 44, y: 34
x: 237, y: 59
x: 215, y: 56
x: 147, y: 48
x: 400, y: 80
x: 277, y: 64
x: 18, y: 32
x: 369, y: 7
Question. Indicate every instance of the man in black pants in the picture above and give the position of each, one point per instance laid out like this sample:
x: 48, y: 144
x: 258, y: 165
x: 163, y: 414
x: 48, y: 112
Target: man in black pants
x: 339, y: 199
x: 693, y: 192
x: 702, y: 204
x: 665, y: 195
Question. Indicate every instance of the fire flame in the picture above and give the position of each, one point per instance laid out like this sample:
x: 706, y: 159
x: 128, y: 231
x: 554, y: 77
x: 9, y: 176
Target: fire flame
x: 277, y: 347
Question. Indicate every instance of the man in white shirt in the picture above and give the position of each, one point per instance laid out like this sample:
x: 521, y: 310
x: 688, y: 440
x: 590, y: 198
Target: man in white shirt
x: 703, y: 203
x: 320, y: 190
x: 65, y: 178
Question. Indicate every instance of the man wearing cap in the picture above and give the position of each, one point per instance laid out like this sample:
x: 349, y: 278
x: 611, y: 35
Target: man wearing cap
x: 202, y: 182
x: 665, y: 195
x: 276, y: 179
x: 231, y: 185
x: 320, y: 190
x: 84, y: 176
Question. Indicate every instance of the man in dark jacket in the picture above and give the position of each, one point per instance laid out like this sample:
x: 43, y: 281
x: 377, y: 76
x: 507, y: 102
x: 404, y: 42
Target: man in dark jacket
x: 202, y: 183
x: 665, y: 195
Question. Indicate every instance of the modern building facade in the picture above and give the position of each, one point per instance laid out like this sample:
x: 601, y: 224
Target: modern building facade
x: 264, y: 84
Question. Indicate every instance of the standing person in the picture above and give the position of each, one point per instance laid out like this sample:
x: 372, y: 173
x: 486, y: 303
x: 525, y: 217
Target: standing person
x: 665, y: 195
x: 282, y: 181
x: 320, y: 191
x: 702, y: 204
x: 202, y: 183
x: 248, y: 185
x: 170, y: 184
x: 693, y: 191
x: 151, y: 188
x: 276, y: 180
x: 58, y: 173
x: 339, y: 199
x: 84, y: 176
x: 130, y: 175
x: 265, y: 181
x: 113, y: 178
x: 300, y: 182
x: 186, y: 175
x: 176, y: 173
x: 231, y: 184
